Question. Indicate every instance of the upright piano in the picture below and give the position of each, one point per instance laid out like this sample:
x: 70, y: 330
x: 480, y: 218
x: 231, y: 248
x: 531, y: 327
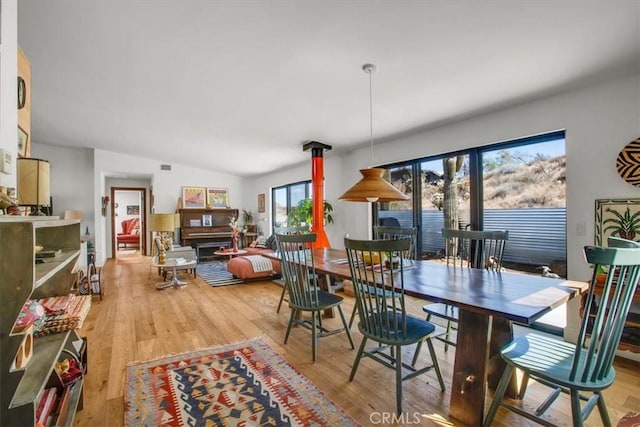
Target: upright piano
x: 206, y: 228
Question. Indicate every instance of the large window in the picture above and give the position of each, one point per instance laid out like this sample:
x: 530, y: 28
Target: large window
x: 517, y: 186
x: 287, y: 197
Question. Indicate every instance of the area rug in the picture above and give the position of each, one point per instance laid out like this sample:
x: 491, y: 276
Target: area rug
x: 630, y: 420
x: 216, y: 274
x: 246, y: 384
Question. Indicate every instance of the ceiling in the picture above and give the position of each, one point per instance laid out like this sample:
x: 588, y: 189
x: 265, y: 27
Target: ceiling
x: 238, y: 87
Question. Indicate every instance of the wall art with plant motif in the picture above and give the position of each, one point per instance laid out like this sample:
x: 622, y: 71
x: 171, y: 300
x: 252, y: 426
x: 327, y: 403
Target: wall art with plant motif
x: 618, y: 218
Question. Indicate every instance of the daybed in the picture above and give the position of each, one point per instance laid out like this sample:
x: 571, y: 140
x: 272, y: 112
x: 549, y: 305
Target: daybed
x: 252, y: 265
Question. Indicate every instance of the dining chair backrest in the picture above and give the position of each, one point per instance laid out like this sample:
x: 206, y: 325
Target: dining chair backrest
x: 617, y: 242
x: 393, y: 233
x: 369, y: 269
x: 298, y: 268
x: 291, y: 230
x: 601, y: 330
x: 475, y: 249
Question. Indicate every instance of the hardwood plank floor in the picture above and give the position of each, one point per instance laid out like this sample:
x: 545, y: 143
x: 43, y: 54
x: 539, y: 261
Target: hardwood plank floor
x: 135, y: 322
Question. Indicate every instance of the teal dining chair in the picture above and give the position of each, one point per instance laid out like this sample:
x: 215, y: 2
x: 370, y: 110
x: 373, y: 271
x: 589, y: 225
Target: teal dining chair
x: 288, y: 230
x: 298, y: 269
x: 391, y: 233
x: 471, y: 249
x: 385, y: 320
x: 584, y: 369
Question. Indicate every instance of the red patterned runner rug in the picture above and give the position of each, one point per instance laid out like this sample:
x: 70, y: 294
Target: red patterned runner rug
x: 246, y: 384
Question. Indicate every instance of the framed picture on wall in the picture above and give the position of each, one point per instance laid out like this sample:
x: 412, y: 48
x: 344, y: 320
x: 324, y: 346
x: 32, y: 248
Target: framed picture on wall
x: 23, y: 142
x: 618, y: 218
x: 218, y: 198
x: 261, y: 203
x: 194, y: 197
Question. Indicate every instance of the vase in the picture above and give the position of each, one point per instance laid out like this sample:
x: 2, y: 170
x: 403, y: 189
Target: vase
x: 235, y: 243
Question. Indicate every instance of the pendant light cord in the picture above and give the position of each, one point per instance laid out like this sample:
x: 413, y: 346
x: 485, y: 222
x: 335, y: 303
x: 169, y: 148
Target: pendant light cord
x: 371, y: 115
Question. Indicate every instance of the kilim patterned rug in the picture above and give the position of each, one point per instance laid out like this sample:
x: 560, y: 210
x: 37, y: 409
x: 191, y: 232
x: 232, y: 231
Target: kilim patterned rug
x: 216, y: 274
x: 245, y: 383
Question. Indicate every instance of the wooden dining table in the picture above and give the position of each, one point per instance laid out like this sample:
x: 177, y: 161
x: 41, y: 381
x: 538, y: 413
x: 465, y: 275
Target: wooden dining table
x: 488, y: 302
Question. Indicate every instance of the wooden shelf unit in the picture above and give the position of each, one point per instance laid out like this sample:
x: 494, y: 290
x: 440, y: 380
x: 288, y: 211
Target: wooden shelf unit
x: 22, y: 279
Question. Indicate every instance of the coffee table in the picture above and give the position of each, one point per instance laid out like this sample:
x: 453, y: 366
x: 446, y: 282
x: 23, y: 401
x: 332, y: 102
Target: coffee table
x: 173, y: 264
x: 230, y: 253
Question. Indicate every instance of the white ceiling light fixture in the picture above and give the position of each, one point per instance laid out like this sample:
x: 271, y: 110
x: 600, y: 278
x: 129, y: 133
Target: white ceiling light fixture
x: 372, y: 187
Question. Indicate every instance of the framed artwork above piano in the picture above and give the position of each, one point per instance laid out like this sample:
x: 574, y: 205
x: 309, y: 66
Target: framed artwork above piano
x: 214, y: 232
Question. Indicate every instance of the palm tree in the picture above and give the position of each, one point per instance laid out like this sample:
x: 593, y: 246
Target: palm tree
x: 625, y: 226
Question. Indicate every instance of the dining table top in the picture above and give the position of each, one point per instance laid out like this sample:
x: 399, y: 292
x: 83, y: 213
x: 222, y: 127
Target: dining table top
x: 518, y: 297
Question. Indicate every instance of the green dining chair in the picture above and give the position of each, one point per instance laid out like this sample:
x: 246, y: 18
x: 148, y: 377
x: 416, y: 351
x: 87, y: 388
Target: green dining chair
x: 468, y: 249
x: 584, y: 369
x: 385, y: 320
x: 288, y: 230
x: 391, y: 233
x: 298, y: 268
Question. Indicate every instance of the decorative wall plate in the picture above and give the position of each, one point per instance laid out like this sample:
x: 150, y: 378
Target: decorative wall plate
x: 628, y: 163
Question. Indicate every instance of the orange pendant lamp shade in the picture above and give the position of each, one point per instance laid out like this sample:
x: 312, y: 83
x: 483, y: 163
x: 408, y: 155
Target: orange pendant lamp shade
x: 373, y: 188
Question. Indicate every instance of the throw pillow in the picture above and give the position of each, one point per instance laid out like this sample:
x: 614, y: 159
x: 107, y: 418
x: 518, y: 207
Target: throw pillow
x: 253, y: 244
x: 271, y: 242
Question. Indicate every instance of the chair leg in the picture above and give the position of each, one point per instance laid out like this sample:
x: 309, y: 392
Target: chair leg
x: 576, y: 412
x: 416, y: 353
x: 498, y: 395
x: 602, y: 408
x: 436, y: 366
x: 284, y: 290
x: 447, y: 336
x: 347, y: 329
x: 398, y: 358
x: 356, y: 362
x: 353, y: 314
x: 314, y: 334
x: 291, y: 319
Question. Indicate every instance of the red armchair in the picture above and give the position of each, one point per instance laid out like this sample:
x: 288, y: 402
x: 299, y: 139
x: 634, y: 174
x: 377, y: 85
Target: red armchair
x: 130, y: 233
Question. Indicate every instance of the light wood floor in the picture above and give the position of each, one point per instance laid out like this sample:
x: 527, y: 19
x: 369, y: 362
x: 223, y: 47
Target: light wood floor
x: 135, y: 322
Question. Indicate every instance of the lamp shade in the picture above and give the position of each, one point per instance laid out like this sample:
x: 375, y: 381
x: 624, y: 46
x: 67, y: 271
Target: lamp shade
x: 33, y: 182
x: 163, y: 222
x: 73, y: 215
x: 373, y: 188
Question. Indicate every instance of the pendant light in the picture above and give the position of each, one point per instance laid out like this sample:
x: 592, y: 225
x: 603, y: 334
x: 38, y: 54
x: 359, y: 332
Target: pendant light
x: 372, y: 187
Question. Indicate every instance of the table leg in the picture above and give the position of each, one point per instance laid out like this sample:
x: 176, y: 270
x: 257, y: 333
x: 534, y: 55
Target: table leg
x: 470, y: 369
x: 174, y: 282
x: 501, y: 335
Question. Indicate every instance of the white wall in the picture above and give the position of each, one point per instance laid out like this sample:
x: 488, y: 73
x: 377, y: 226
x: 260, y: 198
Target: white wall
x: 71, y: 180
x: 333, y: 174
x: 167, y: 186
x: 8, y: 87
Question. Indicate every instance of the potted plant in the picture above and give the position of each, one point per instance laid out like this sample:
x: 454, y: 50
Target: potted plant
x: 302, y: 213
x: 247, y: 218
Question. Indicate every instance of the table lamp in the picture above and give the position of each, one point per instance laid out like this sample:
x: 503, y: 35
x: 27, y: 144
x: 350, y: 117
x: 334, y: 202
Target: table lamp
x: 33, y: 183
x: 164, y: 224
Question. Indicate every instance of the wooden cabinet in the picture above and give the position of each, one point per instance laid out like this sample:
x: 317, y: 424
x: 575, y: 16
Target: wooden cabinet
x: 21, y: 278
x: 203, y: 228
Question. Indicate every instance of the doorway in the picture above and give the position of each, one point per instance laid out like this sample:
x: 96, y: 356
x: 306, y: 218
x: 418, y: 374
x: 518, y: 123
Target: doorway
x: 128, y: 224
